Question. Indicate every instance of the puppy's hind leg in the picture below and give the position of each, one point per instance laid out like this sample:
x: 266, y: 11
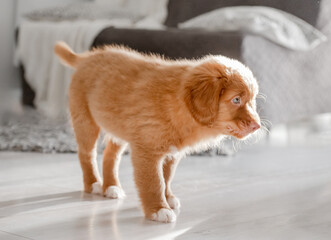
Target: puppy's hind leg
x: 110, y: 166
x: 87, y: 133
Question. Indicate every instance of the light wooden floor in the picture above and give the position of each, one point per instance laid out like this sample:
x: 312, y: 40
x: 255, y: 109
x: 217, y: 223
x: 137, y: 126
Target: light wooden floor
x: 262, y: 192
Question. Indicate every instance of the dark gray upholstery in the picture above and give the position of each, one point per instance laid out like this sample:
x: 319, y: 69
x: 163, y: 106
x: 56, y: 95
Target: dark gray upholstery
x: 173, y: 43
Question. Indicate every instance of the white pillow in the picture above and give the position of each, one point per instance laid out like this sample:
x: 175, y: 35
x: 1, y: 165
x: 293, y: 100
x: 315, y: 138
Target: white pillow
x: 151, y: 9
x: 149, y: 23
x: 276, y: 25
x: 86, y: 11
x: 107, y: 1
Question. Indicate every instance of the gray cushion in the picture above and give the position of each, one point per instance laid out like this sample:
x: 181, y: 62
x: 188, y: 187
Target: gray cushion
x: 174, y: 43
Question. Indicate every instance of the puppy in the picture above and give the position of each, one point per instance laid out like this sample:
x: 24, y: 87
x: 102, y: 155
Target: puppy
x: 161, y: 108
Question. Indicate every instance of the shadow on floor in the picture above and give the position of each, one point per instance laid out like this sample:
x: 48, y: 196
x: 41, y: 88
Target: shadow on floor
x: 17, y: 206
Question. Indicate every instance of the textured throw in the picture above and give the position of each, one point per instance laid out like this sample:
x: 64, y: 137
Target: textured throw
x: 32, y: 131
x: 43, y: 71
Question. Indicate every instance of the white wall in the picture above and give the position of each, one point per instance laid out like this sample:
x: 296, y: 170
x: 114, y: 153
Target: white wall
x: 8, y: 76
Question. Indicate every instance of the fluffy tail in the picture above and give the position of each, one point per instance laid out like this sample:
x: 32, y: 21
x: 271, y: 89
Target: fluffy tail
x: 66, y: 55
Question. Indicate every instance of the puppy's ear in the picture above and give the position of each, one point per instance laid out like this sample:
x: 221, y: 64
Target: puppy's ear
x: 203, y: 90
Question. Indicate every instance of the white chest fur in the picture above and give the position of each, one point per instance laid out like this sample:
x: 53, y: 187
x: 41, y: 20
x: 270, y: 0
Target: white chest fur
x: 198, y: 147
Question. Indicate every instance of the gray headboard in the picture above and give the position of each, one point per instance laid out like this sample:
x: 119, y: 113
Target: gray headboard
x: 181, y: 10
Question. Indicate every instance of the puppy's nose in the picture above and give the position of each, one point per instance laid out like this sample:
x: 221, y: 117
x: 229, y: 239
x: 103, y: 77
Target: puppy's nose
x: 254, y: 126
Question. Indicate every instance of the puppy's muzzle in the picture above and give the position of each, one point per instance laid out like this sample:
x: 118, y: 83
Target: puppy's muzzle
x: 253, y: 126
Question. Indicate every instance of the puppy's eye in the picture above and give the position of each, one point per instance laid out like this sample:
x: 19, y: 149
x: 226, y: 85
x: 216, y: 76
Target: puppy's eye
x: 236, y: 100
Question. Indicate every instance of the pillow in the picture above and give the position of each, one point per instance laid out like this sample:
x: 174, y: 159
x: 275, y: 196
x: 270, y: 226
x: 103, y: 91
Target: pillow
x: 149, y: 23
x: 278, y: 26
x: 87, y: 11
x: 106, y: 1
x: 151, y: 9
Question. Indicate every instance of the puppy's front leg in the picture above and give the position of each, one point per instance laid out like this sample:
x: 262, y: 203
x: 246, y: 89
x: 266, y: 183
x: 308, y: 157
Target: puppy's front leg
x: 169, y: 169
x: 149, y: 179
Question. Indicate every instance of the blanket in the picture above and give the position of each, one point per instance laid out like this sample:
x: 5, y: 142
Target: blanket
x: 43, y: 70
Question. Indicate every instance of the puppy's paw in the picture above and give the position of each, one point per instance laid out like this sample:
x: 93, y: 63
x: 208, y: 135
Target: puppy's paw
x: 164, y: 215
x: 173, y: 202
x: 97, y: 188
x: 114, y: 192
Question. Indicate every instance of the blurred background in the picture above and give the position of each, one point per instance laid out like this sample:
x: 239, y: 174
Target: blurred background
x: 286, y: 44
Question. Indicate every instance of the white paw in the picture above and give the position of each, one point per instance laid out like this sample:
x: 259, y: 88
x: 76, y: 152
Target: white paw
x: 164, y: 215
x: 174, y: 202
x: 97, y: 188
x: 114, y: 192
